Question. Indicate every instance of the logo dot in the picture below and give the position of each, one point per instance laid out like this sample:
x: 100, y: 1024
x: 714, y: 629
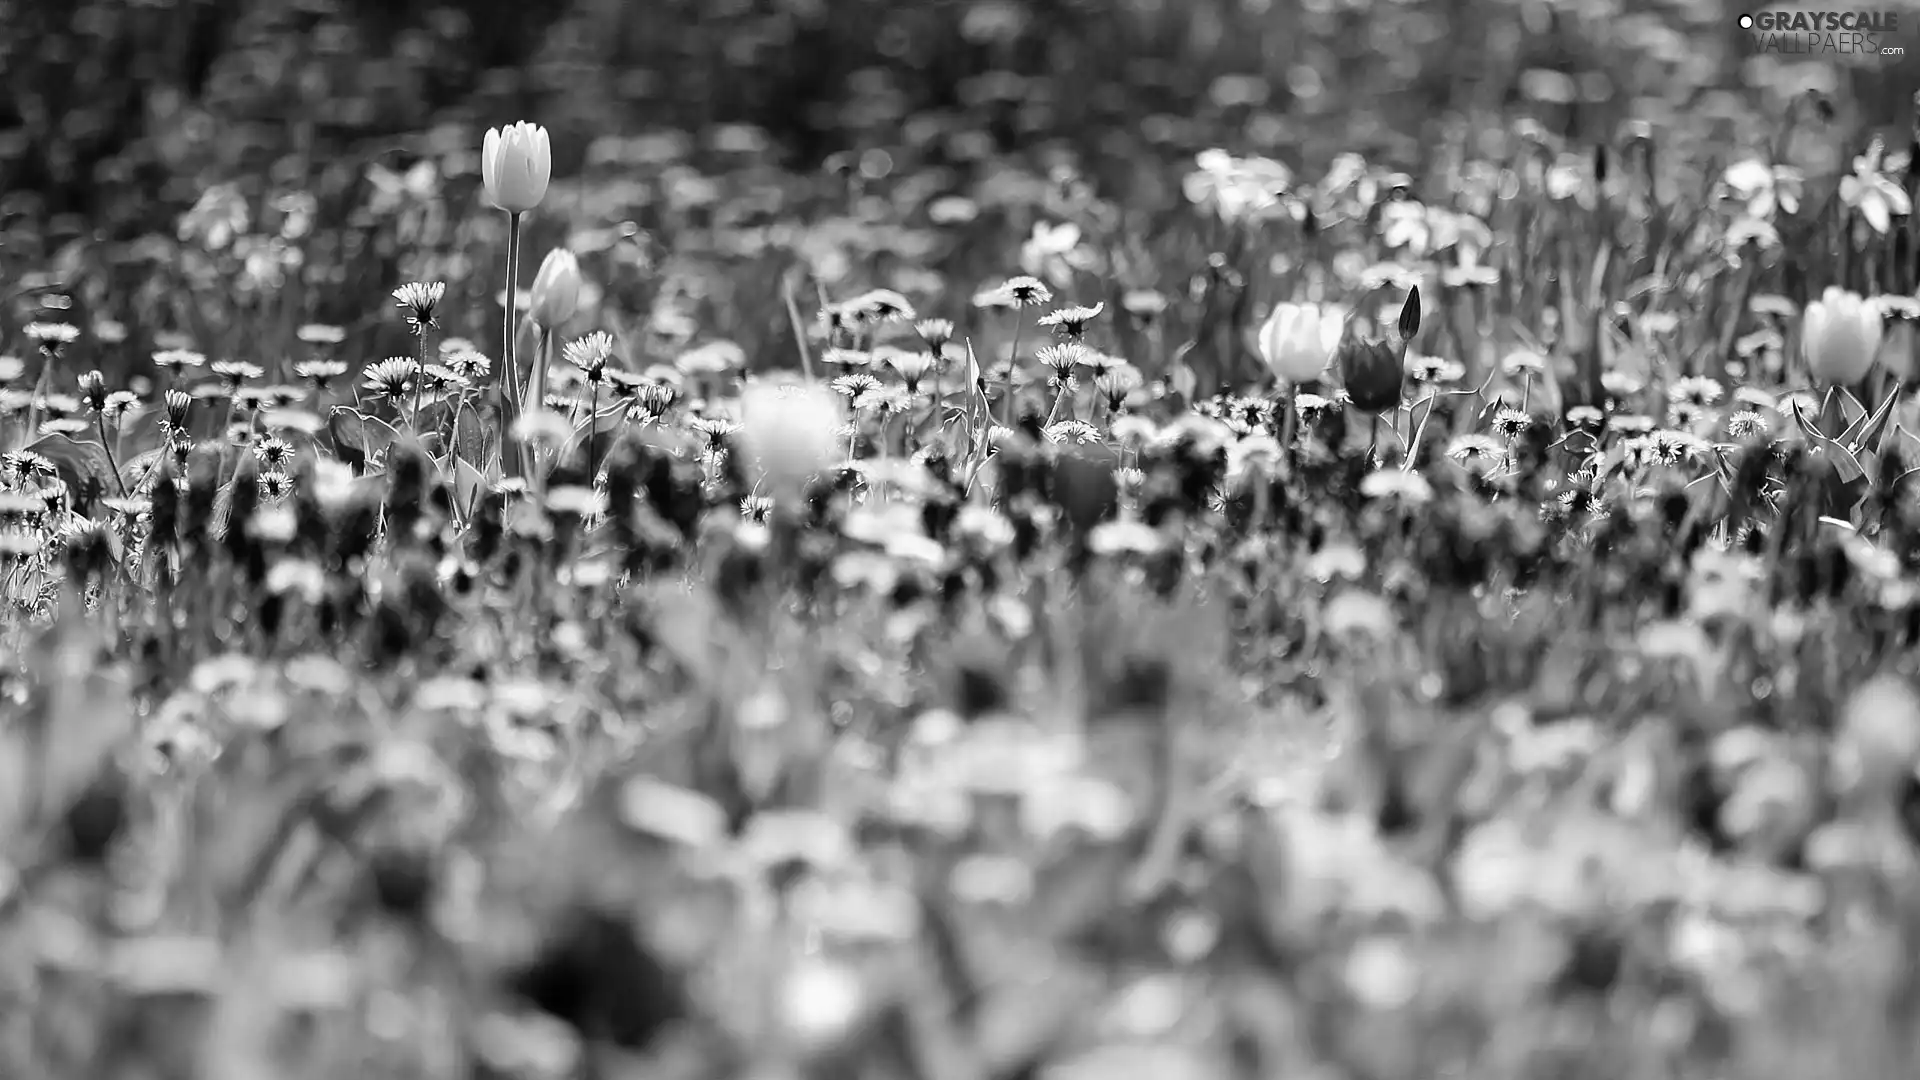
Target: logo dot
x: 1746, y: 22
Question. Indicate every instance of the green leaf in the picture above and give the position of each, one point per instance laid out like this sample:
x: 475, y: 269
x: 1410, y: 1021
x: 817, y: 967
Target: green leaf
x: 1841, y: 458
x: 1865, y: 433
x: 608, y: 419
x: 357, y: 435
x: 470, y: 435
x: 469, y: 483
x: 83, y: 466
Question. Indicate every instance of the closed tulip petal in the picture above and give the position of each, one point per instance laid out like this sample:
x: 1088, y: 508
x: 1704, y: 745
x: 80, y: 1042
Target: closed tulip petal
x: 1840, y: 335
x: 490, y: 164
x: 516, y: 166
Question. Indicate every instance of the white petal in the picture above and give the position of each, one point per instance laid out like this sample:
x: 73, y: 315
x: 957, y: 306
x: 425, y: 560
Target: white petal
x: 1874, y: 209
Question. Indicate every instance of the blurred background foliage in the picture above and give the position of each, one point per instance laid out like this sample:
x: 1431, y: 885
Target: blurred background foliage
x: 341, y: 131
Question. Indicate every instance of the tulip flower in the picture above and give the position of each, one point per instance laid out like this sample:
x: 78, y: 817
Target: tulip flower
x: 1373, y: 373
x: 515, y: 164
x: 1840, y: 334
x: 789, y: 433
x: 556, y: 289
x: 1298, y: 341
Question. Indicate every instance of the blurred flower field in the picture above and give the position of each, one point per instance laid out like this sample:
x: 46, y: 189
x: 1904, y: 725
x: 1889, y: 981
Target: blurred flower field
x: 969, y: 540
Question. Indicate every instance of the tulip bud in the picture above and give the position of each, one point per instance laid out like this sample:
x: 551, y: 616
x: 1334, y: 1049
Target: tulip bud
x: 556, y: 289
x: 1840, y: 334
x: 1373, y: 372
x: 515, y: 164
x: 1298, y: 341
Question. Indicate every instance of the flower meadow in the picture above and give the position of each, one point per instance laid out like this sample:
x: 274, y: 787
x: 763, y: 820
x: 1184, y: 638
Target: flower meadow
x: 629, y: 606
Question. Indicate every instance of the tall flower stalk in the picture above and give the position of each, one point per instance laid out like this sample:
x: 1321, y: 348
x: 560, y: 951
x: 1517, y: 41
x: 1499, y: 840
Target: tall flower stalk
x: 516, y: 164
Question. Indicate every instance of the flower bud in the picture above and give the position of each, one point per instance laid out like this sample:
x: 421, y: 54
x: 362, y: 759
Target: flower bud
x: 1840, y: 334
x: 1373, y: 373
x: 515, y: 164
x: 1298, y: 341
x: 556, y: 289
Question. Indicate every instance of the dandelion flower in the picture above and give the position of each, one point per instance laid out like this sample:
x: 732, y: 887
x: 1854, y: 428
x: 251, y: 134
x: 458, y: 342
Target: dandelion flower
x: 52, y: 337
x: 1477, y: 453
x: 1072, y: 431
x: 935, y: 333
x: 392, y: 378
x: 420, y: 299
x: 590, y: 354
x: 320, y: 334
x: 1524, y: 364
x: 178, y: 359
x: 855, y: 387
x: 1060, y: 359
x: 1510, y: 422
x: 320, y: 373
x: 234, y: 372
x: 1016, y: 292
x: 912, y: 367
x: 1409, y: 488
x: 1746, y: 424
x: 1435, y: 369
x: 1071, y: 321
x: 1311, y: 407
x: 1697, y: 391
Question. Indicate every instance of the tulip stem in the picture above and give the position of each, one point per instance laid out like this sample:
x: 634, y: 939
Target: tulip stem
x: 536, y: 401
x: 509, y: 376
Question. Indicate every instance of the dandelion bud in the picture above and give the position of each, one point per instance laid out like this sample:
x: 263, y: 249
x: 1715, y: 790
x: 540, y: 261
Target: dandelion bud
x: 1840, y: 334
x: 1373, y: 373
x: 556, y: 289
x: 515, y: 164
x: 1298, y: 341
x: 93, y: 390
x: 178, y: 403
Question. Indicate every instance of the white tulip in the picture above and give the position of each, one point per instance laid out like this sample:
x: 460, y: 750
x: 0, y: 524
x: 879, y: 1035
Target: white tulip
x: 1840, y: 335
x: 1298, y: 341
x: 790, y: 432
x: 515, y: 164
x: 556, y: 289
